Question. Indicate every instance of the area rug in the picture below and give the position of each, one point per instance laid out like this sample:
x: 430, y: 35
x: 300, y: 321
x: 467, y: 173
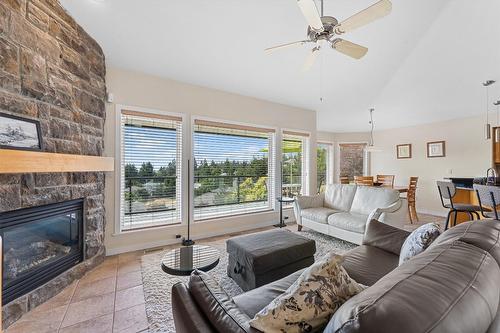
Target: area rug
x: 157, y: 284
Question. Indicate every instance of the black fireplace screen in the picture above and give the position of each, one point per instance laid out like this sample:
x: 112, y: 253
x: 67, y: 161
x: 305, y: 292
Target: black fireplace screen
x: 39, y: 243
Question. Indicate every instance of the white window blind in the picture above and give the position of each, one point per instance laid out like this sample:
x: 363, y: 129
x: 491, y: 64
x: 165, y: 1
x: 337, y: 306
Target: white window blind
x: 295, y: 162
x: 151, y: 148
x: 324, y: 165
x: 233, y: 169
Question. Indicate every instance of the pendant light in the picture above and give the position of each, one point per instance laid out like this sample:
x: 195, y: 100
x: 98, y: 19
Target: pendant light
x: 487, y: 127
x: 371, y: 148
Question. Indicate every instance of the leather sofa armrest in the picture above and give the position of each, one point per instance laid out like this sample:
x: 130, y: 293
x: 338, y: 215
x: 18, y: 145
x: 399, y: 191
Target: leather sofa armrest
x: 375, y: 215
x: 188, y: 317
x: 307, y: 201
x: 384, y: 236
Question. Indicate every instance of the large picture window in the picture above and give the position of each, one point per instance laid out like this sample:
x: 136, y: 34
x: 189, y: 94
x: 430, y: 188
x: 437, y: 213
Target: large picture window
x: 294, y: 161
x: 150, y: 170
x: 352, y: 159
x: 233, y: 169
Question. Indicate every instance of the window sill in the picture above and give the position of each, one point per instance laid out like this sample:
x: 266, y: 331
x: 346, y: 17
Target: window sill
x: 143, y: 229
x: 258, y: 212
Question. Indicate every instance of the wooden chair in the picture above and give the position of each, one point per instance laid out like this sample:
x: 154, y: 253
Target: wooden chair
x: 363, y: 180
x: 344, y: 180
x: 411, y: 197
x: 386, y: 180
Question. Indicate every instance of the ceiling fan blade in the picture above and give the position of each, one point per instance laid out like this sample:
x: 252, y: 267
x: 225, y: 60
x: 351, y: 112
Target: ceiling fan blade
x: 311, y: 59
x: 284, y: 46
x: 348, y: 48
x: 311, y: 14
x: 370, y: 14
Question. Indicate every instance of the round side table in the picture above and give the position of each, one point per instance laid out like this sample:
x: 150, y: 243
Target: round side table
x: 184, y: 260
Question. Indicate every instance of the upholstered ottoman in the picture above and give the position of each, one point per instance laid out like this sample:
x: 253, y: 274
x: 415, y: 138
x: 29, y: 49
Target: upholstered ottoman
x: 258, y: 259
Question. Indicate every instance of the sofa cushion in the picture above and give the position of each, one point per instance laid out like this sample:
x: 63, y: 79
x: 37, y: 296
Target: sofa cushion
x: 368, y: 264
x: 384, y: 236
x: 308, y: 304
x: 418, y: 241
x: 437, y: 291
x: 339, y: 197
x: 256, y: 299
x: 221, y: 311
x: 348, y: 221
x: 319, y: 215
x: 368, y: 198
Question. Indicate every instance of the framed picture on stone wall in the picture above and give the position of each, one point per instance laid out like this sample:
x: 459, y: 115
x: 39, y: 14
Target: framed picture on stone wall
x: 403, y: 151
x: 19, y: 133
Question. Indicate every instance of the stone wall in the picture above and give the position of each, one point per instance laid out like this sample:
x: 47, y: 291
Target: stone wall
x: 51, y: 70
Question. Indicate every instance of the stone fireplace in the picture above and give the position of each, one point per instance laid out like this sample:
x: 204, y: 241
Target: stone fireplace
x: 52, y: 71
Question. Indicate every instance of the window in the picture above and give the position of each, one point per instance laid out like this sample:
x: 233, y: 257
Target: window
x: 352, y: 159
x: 233, y: 169
x: 294, y: 166
x: 150, y: 170
x: 324, y: 152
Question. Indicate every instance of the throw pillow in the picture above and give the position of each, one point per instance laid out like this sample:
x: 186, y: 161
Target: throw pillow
x: 309, y: 303
x: 419, y: 240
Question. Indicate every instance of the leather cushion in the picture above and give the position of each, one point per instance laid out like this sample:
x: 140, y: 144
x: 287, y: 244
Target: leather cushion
x: 183, y: 306
x: 217, y: 306
x: 368, y: 198
x: 339, y: 197
x: 257, y: 299
x: 263, y: 251
x: 437, y: 291
x: 384, y: 236
x: 368, y: 264
x: 319, y: 215
x: 348, y: 221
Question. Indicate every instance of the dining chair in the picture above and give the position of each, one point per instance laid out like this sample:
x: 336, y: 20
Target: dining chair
x: 411, y: 197
x: 363, y: 180
x: 488, y: 197
x: 386, y: 180
x: 344, y: 180
x: 447, y: 191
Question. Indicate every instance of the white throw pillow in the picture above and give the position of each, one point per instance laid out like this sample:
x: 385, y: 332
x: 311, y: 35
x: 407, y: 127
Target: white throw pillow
x: 310, y: 302
x: 419, y: 240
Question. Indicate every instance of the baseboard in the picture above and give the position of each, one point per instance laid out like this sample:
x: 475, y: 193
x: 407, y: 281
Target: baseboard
x: 155, y: 244
x: 431, y: 212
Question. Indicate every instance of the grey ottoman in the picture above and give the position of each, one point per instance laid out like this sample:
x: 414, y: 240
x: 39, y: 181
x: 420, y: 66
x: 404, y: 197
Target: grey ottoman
x: 258, y: 259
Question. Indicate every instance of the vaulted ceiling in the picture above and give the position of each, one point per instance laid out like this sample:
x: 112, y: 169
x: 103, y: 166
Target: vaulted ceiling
x: 425, y: 63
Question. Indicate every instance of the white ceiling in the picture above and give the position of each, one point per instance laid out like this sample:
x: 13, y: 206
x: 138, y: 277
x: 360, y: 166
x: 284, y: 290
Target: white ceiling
x: 426, y: 60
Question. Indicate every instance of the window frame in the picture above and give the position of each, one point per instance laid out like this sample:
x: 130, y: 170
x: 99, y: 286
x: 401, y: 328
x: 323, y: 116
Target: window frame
x: 306, y: 159
x: 273, y: 165
x: 119, y: 110
x: 366, y: 158
x: 330, y: 161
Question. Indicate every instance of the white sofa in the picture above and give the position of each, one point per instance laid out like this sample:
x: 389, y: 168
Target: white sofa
x: 343, y: 211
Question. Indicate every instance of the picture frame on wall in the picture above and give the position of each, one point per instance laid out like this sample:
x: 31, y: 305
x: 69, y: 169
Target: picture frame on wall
x: 436, y: 149
x: 403, y: 151
x: 19, y: 133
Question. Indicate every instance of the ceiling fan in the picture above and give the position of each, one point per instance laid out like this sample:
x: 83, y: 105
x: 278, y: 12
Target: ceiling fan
x: 323, y: 30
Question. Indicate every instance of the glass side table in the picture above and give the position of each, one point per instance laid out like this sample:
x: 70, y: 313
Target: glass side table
x: 184, y: 260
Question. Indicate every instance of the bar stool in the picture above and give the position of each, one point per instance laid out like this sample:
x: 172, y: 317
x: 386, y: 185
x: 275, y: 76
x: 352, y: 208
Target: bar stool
x: 363, y: 180
x: 489, y: 196
x: 448, y: 190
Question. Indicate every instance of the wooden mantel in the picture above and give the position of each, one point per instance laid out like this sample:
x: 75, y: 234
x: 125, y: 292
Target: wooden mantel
x: 19, y: 161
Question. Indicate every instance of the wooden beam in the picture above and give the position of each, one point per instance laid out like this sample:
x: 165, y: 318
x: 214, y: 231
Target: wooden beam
x: 18, y: 161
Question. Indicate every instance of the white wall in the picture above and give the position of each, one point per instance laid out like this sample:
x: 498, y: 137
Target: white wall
x: 468, y: 154
x: 139, y: 90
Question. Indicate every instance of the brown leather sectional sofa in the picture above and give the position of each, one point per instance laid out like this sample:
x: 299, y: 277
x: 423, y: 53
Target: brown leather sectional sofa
x: 454, y: 286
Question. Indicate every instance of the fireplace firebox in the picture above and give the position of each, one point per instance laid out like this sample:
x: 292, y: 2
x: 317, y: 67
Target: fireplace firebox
x: 39, y: 243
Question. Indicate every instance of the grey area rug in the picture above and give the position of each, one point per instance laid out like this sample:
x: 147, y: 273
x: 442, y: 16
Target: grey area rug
x: 157, y: 284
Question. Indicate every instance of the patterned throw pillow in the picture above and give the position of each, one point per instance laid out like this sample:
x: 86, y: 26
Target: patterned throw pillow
x: 418, y: 241
x: 310, y: 302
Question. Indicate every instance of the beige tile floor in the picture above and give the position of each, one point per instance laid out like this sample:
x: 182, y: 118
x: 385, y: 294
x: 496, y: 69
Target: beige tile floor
x: 110, y: 297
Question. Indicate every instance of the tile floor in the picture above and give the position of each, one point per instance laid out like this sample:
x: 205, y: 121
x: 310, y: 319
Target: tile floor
x: 110, y: 297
